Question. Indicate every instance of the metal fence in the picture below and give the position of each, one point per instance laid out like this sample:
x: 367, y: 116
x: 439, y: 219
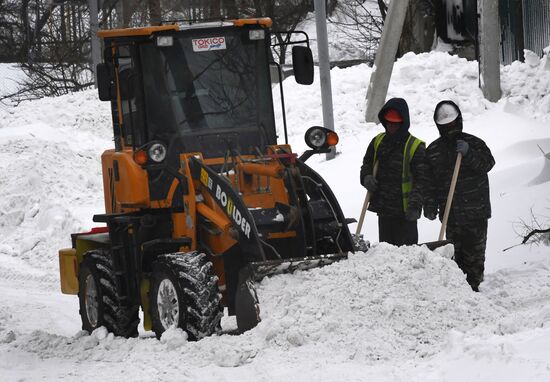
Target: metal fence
x: 536, y: 24
x: 525, y: 24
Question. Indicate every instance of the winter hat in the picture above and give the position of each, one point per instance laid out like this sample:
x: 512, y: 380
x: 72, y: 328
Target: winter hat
x: 393, y: 115
x: 446, y: 113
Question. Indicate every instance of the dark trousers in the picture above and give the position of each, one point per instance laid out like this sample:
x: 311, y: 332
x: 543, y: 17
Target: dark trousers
x: 397, y: 231
x: 470, y: 242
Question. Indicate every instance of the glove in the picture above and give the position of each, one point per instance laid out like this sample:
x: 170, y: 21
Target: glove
x: 370, y: 183
x: 430, y: 213
x: 412, y: 214
x: 462, y: 147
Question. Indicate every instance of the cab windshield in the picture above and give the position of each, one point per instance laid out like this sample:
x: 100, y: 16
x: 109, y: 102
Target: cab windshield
x: 208, y: 83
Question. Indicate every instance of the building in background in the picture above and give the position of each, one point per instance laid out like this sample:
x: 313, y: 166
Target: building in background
x: 524, y: 24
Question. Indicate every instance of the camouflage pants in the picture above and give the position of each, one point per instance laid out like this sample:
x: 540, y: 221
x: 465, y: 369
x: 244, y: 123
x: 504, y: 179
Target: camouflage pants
x: 470, y: 242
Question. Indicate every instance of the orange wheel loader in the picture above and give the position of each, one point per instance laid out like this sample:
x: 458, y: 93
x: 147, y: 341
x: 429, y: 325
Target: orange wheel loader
x: 201, y: 201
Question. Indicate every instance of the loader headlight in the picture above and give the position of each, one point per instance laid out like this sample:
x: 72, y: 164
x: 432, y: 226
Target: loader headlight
x: 318, y: 137
x: 157, y: 152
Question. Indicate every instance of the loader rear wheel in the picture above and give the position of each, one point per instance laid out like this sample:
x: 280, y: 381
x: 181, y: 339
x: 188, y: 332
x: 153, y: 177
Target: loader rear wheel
x: 184, y: 293
x: 99, y: 302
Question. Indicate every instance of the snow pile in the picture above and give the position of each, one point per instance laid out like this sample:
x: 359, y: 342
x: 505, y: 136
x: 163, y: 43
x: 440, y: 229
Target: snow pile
x: 442, y: 77
x: 49, y: 178
x: 527, y: 87
x: 388, y: 304
x: 396, y: 302
x: 422, y: 80
x: 10, y: 76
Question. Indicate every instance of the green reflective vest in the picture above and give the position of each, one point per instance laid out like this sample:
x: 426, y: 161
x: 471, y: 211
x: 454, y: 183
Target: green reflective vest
x: 406, y: 176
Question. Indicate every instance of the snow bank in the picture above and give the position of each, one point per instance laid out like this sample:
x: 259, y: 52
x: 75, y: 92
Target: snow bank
x: 423, y: 80
x: 526, y: 87
x: 396, y: 302
x: 10, y: 76
x: 388, y: 304
x: 50, y: 175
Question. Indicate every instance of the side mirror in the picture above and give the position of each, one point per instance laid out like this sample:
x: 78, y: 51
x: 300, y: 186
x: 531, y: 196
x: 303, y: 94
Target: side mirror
x: 302, y: 63
x: 104, y: 81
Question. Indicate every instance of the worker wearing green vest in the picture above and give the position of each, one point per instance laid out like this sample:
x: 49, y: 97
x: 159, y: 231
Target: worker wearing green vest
x: 398, y: 185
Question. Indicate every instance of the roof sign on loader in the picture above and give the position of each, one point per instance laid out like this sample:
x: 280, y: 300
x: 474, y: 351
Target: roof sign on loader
x: 208, y: 43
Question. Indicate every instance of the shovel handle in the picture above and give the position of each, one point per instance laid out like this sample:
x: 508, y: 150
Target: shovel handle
x: 368, y: 197
x: 450, y: 197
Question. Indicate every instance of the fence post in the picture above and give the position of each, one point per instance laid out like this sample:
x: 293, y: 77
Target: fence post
x: 489, y: 55
x: 324, y: 68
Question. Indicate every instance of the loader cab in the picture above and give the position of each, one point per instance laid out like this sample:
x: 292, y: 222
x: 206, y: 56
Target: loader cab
x: 202, y: 89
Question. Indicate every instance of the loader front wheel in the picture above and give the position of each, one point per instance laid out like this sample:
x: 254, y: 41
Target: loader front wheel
x: 99, y: 302
x: 184, y: 293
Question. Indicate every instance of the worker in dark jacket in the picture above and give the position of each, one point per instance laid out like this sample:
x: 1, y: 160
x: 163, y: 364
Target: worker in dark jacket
x: 470, y: 208
x: 397, y: 197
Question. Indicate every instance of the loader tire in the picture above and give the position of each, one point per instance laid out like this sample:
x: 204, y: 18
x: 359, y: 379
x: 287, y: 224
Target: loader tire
x: 100, y: 304
x: 184, y: 293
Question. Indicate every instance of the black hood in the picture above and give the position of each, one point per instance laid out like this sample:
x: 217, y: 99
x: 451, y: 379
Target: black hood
x: 443, y: 127
x: 402, y: 108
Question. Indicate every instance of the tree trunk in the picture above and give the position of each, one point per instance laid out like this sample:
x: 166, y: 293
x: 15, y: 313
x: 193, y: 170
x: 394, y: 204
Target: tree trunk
x: 214, y: 9
x: 24, y: 52
x: 231, y: 9
x: 155, y: 15
x: 419, y: 28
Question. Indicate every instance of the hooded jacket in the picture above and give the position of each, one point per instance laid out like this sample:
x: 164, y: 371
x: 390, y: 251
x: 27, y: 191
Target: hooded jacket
x: 471, y: 199
x: 388, y: 199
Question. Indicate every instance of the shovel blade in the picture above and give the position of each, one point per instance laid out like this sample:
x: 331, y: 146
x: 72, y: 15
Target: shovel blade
x: 436, y: 244
x: 359, y: 243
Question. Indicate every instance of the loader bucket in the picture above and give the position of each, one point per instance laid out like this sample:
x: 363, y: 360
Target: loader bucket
x: 261, y: 269
x: 246, y: 300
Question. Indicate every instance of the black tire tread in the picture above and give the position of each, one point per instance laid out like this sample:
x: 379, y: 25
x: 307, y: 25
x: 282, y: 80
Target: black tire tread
x: 119, y: 319
x: 202, y: 299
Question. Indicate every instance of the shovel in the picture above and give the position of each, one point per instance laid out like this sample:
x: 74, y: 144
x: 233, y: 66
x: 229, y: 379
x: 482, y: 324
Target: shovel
x: 368, y: 197
x: 450, y: 196
x: 359, y: 242
x: 435, y: 244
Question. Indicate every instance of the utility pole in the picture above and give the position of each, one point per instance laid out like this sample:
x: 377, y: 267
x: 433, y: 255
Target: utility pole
x: 324, y: 68
x: 489, y: 43
x: 385, y: 58
x: 96, y: 46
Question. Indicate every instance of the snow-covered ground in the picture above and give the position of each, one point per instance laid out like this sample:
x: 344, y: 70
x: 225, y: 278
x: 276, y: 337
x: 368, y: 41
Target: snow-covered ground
x: 391, y: 314
x: 10, y: 76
